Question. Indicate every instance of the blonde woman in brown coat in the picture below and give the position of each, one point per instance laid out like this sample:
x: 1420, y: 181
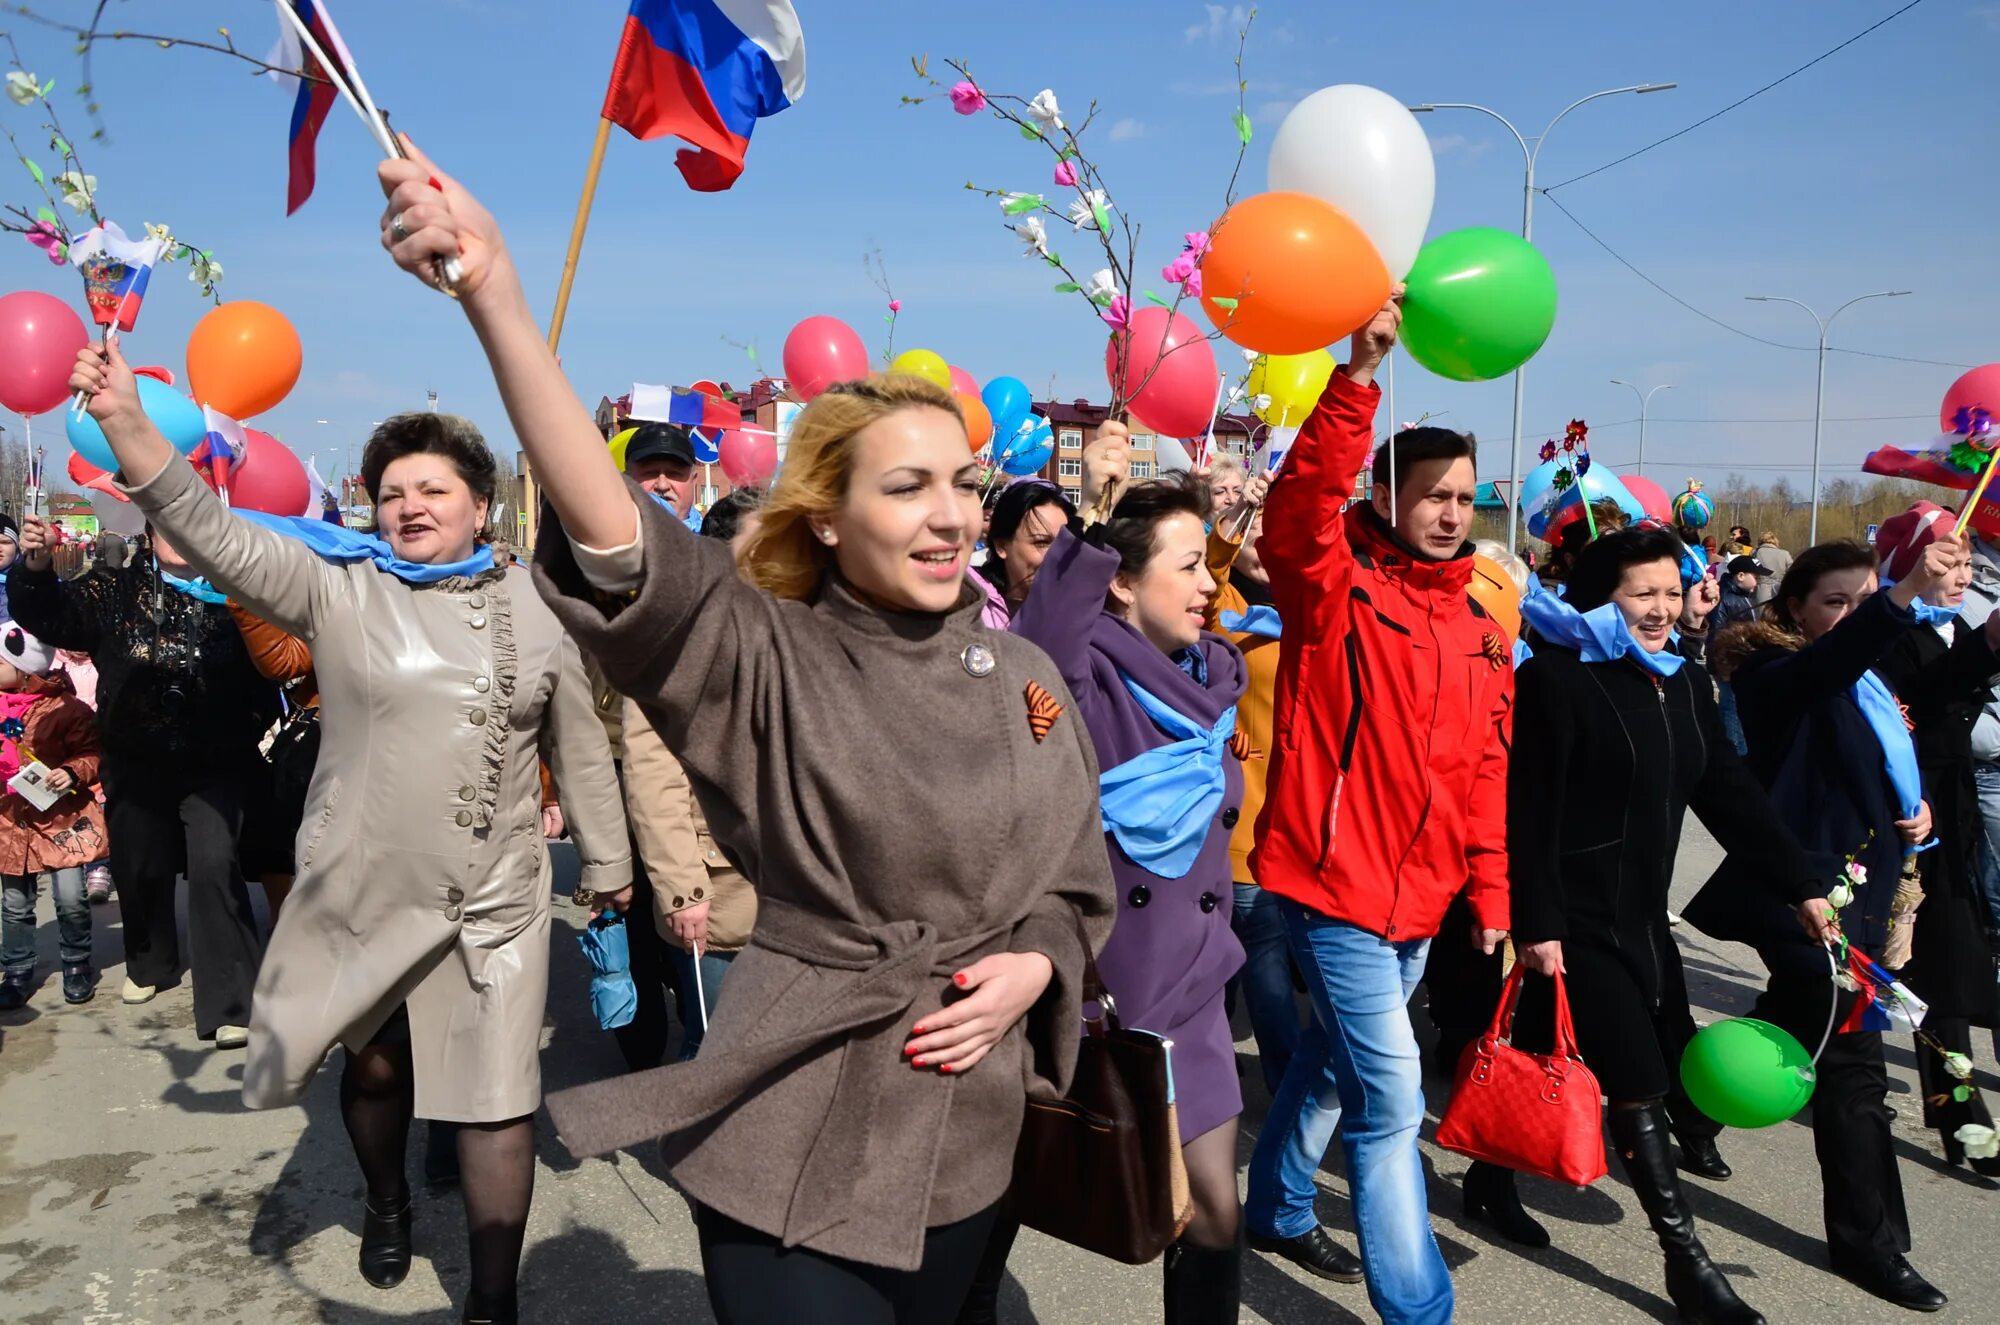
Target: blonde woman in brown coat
x: 929, y: 861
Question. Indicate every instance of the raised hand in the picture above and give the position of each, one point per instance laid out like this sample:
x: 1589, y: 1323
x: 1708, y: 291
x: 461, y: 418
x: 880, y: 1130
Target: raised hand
x: 1372, y: 343
x: 430, y: 218
x: 36, y: 542
x: 1107, y: 462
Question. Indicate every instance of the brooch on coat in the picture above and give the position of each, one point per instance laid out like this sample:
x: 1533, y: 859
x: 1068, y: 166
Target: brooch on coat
x: 1494, y: 650
x: 1042, y: 711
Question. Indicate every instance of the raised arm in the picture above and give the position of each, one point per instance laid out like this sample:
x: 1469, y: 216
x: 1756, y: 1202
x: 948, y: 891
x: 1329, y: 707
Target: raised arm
x: 431, y: 218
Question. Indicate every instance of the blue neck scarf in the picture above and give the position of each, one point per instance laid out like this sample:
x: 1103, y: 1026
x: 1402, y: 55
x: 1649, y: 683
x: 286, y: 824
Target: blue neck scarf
x: 1253, y: 621
x: 1899, y: 752
x: 339, y: 543
x: 1194, y: 662
x: 199, y: 589
x: 1599, y: 635
x: 1159, y: 805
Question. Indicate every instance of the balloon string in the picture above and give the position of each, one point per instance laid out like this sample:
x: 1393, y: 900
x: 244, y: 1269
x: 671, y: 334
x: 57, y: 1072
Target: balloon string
x: 1832, y: 1013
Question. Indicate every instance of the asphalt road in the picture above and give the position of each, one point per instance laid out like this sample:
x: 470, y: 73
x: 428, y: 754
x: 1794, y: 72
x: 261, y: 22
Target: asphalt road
x: 135, y: 1190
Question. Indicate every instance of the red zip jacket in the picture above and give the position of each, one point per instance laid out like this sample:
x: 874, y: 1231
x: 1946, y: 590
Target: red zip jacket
x: 1388, y: 781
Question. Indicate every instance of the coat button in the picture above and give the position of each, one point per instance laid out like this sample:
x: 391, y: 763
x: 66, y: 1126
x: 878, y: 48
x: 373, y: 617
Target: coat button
x: 477, y: 623
x: 477, y: 600
x: 463, y: 818
x: 454, y: 894
x: 451, y: 913
x: 698, y: 894
x: 679, y: 902
x: 466, y: 793
x: 1207, y: 902
x: 1139, y: 896
x: 1229, y: 817
x: 481, y: 684
x: 477, y: 717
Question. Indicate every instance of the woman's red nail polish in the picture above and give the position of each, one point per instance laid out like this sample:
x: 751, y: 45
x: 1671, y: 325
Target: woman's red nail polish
x: 916, y: 1030
x: 959, y: 980
x: 916, y: 1062
x: 909, y: 1049
x: 945, y: 1068
x: 433, y: 182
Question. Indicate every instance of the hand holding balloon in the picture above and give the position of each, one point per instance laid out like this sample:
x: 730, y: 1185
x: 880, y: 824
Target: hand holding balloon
x: 1372, y: 343
x: 35, y: 542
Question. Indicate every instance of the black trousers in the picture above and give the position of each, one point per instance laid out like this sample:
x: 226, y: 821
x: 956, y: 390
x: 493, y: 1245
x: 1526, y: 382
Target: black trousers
x: 752, y: 1280
x: 1462, y: 986
x: 643, y: 1040
x: 1860, y: 1188
x: 156, y: 831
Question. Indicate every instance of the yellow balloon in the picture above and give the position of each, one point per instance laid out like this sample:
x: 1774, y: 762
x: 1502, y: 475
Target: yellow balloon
x: 927, y: 364
x: 619, y: 442
x: 1293, y: 382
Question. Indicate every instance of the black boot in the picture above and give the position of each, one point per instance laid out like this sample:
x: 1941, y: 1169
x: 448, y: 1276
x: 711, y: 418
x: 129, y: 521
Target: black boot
x: 1204, y: 1284
x: 1490, y: 1195
x: 1697, y: 1288
x: 477, y: 1314
x: 385, y: 1242
x: 1703, y: 1158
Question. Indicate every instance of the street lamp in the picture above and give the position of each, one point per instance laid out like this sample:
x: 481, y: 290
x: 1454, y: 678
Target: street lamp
x: 1644, y: 400
x: 1529, y: 156
x: 1819, y: 391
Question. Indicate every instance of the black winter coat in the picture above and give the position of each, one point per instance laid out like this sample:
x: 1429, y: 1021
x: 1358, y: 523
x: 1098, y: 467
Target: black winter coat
x: 1944, y: 688
x: 1607, y: 760
x: 178, y: 698
x: 1820, y: 761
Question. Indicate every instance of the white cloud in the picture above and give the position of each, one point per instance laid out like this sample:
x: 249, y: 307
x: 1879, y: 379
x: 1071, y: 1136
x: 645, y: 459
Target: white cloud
x: 1125, y: 130
x: 1221, y: 21
x: 1444, y: 144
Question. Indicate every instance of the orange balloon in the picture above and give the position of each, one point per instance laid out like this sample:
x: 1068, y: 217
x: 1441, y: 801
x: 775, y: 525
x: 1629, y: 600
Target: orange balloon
x: 978, y: 420
x: 1301, y: 273
x: 243, y: 358
x: 1493, y: 589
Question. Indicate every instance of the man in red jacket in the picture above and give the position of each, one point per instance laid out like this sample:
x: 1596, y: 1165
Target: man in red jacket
x: 1387, y: 798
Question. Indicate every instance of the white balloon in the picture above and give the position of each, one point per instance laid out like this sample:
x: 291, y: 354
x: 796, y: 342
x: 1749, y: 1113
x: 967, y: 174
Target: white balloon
x: 119, y: 517
x: 1358, y: 148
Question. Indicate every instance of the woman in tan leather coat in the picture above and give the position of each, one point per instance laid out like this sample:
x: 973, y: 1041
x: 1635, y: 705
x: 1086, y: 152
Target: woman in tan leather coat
x: 417, y: 933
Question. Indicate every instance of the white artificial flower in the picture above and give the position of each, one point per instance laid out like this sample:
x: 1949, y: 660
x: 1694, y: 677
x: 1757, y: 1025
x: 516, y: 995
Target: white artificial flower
x: 1847, y: 982
x: 1103, y: 287
x: 77, y: 189
x: 1252, y: 356
x: 1980, y: 1142
x: 1260, y: 403
x: 1857, y: 874
x: 1044, y: 111
x: 1958, y: 1065
x: 1840, y: 896
x: 160, y: 233
x: 1083, y: 212
x: 205, y: 272
x: 1034, y: 234
x: 22, y: 88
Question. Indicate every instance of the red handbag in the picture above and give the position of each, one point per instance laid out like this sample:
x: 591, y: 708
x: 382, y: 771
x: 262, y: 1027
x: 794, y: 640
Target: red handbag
x: 1533, y: 1113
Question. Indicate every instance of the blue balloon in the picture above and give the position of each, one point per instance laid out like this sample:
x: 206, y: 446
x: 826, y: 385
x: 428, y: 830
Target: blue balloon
x: 1029, y: 448
x: 1008, y: 400
x: 178, y: 419
x: 1598, y: 484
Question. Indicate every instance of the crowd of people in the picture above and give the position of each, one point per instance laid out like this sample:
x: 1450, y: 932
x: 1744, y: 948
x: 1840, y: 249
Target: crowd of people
x: 1238, y: 737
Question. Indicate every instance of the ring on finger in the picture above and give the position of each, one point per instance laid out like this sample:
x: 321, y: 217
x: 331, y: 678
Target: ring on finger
x: 396, y: 229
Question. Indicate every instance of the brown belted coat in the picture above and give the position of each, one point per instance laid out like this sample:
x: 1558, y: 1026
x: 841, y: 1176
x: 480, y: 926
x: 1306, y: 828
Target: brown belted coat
x: 876, y: 773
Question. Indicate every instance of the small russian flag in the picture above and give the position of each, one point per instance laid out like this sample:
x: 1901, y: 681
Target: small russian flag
x: 686, y: 408
x: 315, y: 97
x: 222, y: 447
x: 1886, y: 1003
x: 116, y: 270
x: 706, y: 71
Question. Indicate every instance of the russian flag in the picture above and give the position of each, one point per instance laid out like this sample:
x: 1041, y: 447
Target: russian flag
x: 116, y: 270
x: 223, y: 446
x: 683, y: 407
x: 1886, y: 1003
x: 706, y: 71
x: 315, y: 97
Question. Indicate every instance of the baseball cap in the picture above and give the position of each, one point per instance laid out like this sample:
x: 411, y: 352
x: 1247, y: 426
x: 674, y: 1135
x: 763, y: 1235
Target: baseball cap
x: 659, y: 441
x: 1739, y: 565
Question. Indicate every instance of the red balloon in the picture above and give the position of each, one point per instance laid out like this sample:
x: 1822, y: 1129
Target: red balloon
x: 749, y: 459
x: 86, y: 475
x: 40, y: 337
x: 819, y: 352
x: 1179, y: 396
x: 963, y: 383
x: 1978, y: 389
x: 269, y: 478
x: 1652, y: 498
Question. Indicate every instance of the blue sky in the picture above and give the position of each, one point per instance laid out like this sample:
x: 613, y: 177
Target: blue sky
x: 1867, y: 172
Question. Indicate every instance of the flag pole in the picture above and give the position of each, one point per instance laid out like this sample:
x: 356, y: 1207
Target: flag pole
x: 583, y: 204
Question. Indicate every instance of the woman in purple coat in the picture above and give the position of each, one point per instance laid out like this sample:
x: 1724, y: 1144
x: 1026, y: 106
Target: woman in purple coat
x: 1120, y: 611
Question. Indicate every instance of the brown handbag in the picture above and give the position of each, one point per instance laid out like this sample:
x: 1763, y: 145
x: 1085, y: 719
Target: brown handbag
x: 1101, y: 1168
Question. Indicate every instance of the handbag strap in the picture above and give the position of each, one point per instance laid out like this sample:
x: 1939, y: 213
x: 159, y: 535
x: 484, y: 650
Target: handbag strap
x: 1093, y: 984
x: 1502, y: 1028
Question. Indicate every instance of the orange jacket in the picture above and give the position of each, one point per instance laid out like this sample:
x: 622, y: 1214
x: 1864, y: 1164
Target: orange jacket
x: 1253, y: 711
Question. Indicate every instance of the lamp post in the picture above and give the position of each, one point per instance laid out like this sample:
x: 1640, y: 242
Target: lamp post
x: 1644, y: 400
x: 1819, y: 389
x: 1529, y: 155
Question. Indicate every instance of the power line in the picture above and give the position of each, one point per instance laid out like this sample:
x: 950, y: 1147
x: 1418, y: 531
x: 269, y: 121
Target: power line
x: 1626, y: 263
x: 1740, y: 100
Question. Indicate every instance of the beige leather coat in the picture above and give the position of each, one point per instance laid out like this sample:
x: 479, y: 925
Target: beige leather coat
x: 423, y: 878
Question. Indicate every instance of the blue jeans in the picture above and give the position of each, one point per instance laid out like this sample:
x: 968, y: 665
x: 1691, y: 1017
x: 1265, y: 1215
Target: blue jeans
x: 714, y: 965
x: 1986, y: 777
x: 17, y: 920
x: 1357, y: 1063
x: 1732, y: 721
x: 1266, y: 980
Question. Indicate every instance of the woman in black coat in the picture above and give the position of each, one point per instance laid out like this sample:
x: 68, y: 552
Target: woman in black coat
x: 1943, y: 674
x: 1812, y: 746
x: 1615, y: 739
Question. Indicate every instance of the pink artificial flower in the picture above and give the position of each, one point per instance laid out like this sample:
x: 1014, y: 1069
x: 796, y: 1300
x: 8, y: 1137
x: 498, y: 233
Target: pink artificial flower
x: 895, y: 305
x: 967, y: 99
x: 50, y: 240
x: 1119, y: 312
x: 1066, y: 174
x: 1196, y: 242
x: 1179, y: 269
x: 1192, y: 285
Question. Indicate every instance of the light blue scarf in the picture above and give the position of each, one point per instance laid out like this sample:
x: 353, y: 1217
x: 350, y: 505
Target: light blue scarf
x: 339, y: 543
x: 1899, y: 752
x: 199, y: 589
x: 1599, y: 635
x: 1253, y: 621
x: 1159, y: 805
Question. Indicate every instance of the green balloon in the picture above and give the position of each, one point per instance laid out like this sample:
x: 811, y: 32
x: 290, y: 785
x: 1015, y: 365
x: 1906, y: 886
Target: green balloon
x: 1478, y: 304
x: 1747, y: 1073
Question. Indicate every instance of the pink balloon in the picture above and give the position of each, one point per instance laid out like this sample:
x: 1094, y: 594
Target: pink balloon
x: 1652, y: 498
x: 749, y: 458
x: 1179, y: 397
x: 962, y: 381
x: 40, y: 337
x: 1978, y: 389
x: 821, y: 351
x: 269, y: 478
